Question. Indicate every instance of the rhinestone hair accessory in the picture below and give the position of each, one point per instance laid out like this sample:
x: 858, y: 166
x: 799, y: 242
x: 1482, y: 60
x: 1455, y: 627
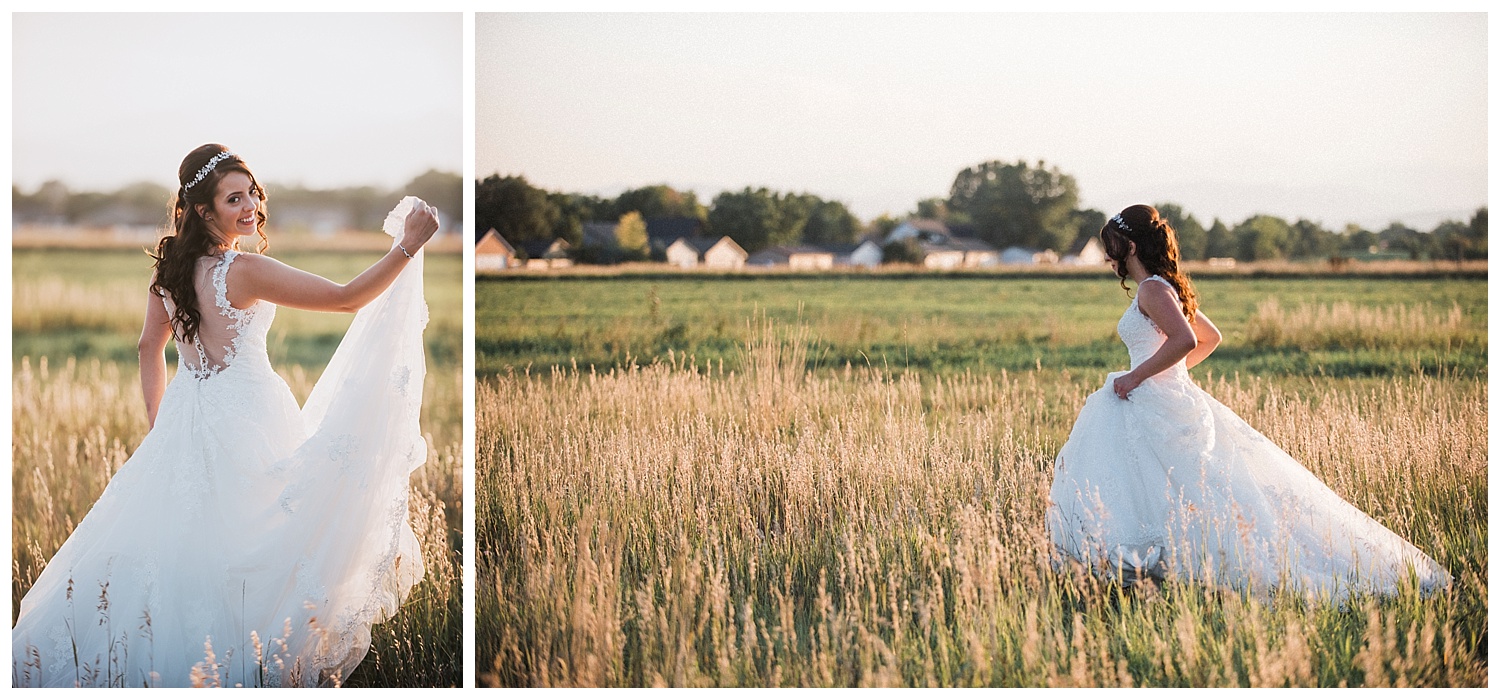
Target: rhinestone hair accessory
x: 1120, y: 222
x: 205, y: 170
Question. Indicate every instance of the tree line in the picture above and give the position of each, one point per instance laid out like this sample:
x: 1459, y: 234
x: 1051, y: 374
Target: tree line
x: 755, y: 218
x: 145, y: 204
x: 1004, y: 204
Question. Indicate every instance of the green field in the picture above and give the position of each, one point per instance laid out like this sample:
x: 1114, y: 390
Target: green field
x: 840, y: 481
x: 939, y: 325
x: 90, y: 304
x: 77, y: 415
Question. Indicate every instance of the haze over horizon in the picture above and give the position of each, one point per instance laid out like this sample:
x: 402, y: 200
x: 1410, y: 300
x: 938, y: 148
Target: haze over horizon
x: 324, y: 100
x: 1338, y: 118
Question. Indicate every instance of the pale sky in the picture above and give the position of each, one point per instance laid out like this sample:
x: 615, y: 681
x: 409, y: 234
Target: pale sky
x: 326, y: 100
x: 1339, y: 118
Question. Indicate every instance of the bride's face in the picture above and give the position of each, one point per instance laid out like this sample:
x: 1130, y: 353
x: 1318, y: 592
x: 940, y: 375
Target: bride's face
x: 236, y: 203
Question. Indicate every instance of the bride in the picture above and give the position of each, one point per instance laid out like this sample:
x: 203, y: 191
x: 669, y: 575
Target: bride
x: 246, y: 541
x: 1158, y: 477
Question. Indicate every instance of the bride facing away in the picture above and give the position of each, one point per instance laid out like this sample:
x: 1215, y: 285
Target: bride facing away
x: 247, y: 540
x: 1158, y: 479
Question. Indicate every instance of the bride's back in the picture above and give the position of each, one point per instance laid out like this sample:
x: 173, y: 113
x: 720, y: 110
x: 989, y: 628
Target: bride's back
x: 220, y: 325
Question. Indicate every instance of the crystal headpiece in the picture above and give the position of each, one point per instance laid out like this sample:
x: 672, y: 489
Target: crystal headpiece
x: 205, y: 170
x: 1120, y: 222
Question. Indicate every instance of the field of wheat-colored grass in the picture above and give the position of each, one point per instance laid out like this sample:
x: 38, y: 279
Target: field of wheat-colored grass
x: 77, y: 415
x: 683, y: 524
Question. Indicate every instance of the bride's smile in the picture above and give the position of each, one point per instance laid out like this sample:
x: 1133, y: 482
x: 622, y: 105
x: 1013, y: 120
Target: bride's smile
x: 236, y: 206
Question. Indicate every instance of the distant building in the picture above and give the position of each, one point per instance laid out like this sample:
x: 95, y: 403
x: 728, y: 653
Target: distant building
x: 941, y: 256
x: 544, y: 254
x: 720, y: 253
x: 977, y: 253
x: 665, y: 231
x: 1016, y: 255
x: 1087, y: 250
x: 493, y: 253
x: 798, y: 257
x: 920, y: 229
x: 866, y: 253
x: 941, y: 248
x: 599, y: 234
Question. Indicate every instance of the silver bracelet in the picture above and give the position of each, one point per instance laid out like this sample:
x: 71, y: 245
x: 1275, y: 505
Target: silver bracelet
x: 403, y: 250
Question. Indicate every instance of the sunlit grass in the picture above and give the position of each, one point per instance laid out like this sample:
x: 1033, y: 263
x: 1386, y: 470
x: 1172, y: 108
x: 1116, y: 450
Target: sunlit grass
x: 766, y: 525
x: 78, y: 414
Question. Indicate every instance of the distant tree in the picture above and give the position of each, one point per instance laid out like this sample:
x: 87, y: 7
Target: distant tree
x: 749, y: 217
x: 883, y: 225
x: 932, y: 208
x: 1017, y: 204
x: 1451, y: 240
x: 1219, y: 241
x: 569, y: 224
x: 1262, y: 237
x: 442, y: 190
x: 1479, y: 233
x: 1085, y: 224
x: 660, y: 202
x: 1310, y: 240
x: 515, y: 209
x: 1192, y: 240
x: 792, y: 214
x: 142, y: 204
x: 906, y: 250
x: 631, y: 234
x: 1356, y: 239
x: 830, y: 223
x: 1414, y: 243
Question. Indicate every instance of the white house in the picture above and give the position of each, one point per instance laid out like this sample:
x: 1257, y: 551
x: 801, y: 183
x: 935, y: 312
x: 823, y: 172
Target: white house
x: 493, y: 253
x: 717, y: 254
x: 1085, y: 251
x: 683, y: 254
x: 942, y: 257
x: 797, y: 257
x: 1016, y: 255
x: 866, y: 253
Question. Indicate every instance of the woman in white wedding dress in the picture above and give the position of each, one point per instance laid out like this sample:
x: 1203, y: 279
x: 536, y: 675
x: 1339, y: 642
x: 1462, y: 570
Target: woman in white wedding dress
x: 1159, y: 478
x: 246, y: 541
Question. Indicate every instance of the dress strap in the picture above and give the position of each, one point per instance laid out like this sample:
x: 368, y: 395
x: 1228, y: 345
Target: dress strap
x: 221, y: 289
x: 1162, y: 280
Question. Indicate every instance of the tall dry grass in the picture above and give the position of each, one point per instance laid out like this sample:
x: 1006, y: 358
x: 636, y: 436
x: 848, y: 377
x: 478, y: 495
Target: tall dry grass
x: 674, y: 524
x: 75, y: 423
x: 1344, y: 325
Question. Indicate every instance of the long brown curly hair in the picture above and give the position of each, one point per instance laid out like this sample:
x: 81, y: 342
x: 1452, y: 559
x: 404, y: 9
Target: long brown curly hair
x: 189, y: 239
x: 1155, y: 246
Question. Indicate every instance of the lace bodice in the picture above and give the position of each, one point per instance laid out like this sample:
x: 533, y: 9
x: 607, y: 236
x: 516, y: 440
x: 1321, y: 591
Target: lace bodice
x: 1140, y: 334
x: 226, y: 335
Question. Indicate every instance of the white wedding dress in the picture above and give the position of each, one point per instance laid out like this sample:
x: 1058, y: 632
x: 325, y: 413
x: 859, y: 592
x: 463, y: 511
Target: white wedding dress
x: 1172, y: 481
x: 246, y: 541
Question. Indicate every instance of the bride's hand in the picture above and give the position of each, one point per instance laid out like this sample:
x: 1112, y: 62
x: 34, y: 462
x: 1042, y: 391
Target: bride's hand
x: 421, y: 224
x: 1126, y: 383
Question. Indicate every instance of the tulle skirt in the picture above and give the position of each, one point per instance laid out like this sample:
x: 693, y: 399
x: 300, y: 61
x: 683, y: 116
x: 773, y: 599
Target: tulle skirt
x: 1172, y: 482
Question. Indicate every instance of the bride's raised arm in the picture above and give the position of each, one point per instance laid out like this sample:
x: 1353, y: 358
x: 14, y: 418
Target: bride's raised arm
x: 255, y: 277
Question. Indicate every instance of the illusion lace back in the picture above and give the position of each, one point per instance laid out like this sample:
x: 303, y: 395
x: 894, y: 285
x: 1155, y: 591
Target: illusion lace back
x: 1173, y: 482
x: 223, y: 331
x: 246, y: 541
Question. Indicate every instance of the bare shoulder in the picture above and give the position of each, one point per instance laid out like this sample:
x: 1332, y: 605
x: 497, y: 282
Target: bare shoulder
x: 1155, y: 291
x: 1157, y: 299
x: 256, y: 266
